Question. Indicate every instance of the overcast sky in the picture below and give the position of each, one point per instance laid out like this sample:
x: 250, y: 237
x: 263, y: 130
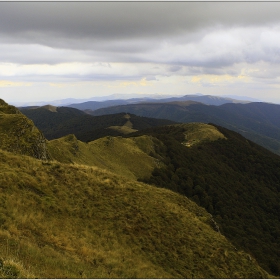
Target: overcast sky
x: 56, y: 50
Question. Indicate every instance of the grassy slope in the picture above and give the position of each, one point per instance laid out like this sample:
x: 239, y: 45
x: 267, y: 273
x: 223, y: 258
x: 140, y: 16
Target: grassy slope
x: 126, y: 128
x: 234, y: 179
x: 19, y: 135
x: 198, y: 132
x: 60, y: 220
x: 69, y: 221
x: 128, y: 157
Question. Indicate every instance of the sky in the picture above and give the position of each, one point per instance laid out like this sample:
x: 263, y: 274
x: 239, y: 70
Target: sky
x: 57, y: 50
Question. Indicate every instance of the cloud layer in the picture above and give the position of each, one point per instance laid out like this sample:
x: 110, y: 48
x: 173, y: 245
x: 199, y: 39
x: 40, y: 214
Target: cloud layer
x: 195, y: 43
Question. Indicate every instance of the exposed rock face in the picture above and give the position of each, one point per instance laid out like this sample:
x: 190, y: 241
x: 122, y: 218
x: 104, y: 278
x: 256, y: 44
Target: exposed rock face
x: 18, y: 134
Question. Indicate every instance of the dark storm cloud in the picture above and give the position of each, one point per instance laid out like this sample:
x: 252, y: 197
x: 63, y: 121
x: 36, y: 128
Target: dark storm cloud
x: 206, y: 37
x: 57, y: 23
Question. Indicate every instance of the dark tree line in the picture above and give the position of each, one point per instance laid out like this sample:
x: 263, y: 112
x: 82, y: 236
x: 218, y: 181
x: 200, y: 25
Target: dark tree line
x: 236, y: 180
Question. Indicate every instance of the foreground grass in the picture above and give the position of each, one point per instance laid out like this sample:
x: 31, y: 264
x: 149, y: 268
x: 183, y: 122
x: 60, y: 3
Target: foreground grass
x: 73, y: 221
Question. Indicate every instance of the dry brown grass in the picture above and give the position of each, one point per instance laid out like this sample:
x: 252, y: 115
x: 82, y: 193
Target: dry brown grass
x: 126, y: 156
x: 75, y: 221
x: 198, y: 132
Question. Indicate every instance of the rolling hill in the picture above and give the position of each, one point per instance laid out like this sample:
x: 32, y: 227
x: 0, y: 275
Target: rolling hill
x: 128, y: 157
x: 234, y: 179
x: 256, y: 121
x: 229, y: 176
x: 57, y: 122
x: 72, y: 220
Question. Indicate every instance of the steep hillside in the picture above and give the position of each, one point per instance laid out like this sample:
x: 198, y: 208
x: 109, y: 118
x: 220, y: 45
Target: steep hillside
x: 127, y: 157
x: 19, y: 135
x: 68, y: 218
x: 234, y: 179
x: 62, y: 121
x: 256, y: 121
x: 70, y: 221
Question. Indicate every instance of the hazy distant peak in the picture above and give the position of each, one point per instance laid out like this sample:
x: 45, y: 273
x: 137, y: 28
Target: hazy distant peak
x: 184, y: 103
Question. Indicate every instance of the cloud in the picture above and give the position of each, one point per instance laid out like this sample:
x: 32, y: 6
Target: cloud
x: 119, y: 20
x: 62, y: 44
x: 5, y: 83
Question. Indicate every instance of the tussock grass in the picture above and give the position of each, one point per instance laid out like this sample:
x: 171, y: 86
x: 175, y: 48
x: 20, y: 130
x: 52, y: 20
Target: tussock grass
x: 75, y: 221
x: 198, y: 132
x: 126, y: 156
x: 68, y: 218
x: 19, y: 135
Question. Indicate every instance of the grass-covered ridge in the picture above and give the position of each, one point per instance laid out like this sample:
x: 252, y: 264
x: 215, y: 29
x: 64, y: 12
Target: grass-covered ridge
x: 234, y: 179
x: 19, y: 135
x: 196, y: 133
x: 128, y: 157
x: 72, y: 221
x: 68, y: 217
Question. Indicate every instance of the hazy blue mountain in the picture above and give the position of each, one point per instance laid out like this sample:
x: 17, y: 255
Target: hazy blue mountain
x: 247, y: 98
x: 205, y: 99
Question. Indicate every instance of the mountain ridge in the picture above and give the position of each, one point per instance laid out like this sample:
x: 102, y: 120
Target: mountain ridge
x: 234, y: 179
x: 87, y: 128
x: 61, y: 220
x: 18, y: 134
x: 246, y: 119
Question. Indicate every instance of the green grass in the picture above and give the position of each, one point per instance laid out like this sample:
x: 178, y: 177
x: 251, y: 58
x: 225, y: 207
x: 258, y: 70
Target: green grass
x: 126, y: 157
x: 71, y: 218
x: 127, y: 128
x: 19, y: 135
x: 71, y: 221
x: 198, y: 132
x: 123, y: 129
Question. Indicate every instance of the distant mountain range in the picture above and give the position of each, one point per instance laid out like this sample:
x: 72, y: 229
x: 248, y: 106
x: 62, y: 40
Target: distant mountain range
x: 136, y: 98
x: 68, y: 101
x: 257, y: 121
x: 205, y: 99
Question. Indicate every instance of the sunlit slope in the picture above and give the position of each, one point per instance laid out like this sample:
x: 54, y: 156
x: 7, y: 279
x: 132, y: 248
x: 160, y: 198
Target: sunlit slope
x: 69, y: 221
x: 126, y: 128
x: 196, y: 133
x: 19, y: 135
x: 126, y: 157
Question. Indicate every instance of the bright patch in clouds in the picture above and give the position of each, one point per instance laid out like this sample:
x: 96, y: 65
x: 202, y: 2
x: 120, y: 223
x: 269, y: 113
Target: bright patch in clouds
x: 14, y: 84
